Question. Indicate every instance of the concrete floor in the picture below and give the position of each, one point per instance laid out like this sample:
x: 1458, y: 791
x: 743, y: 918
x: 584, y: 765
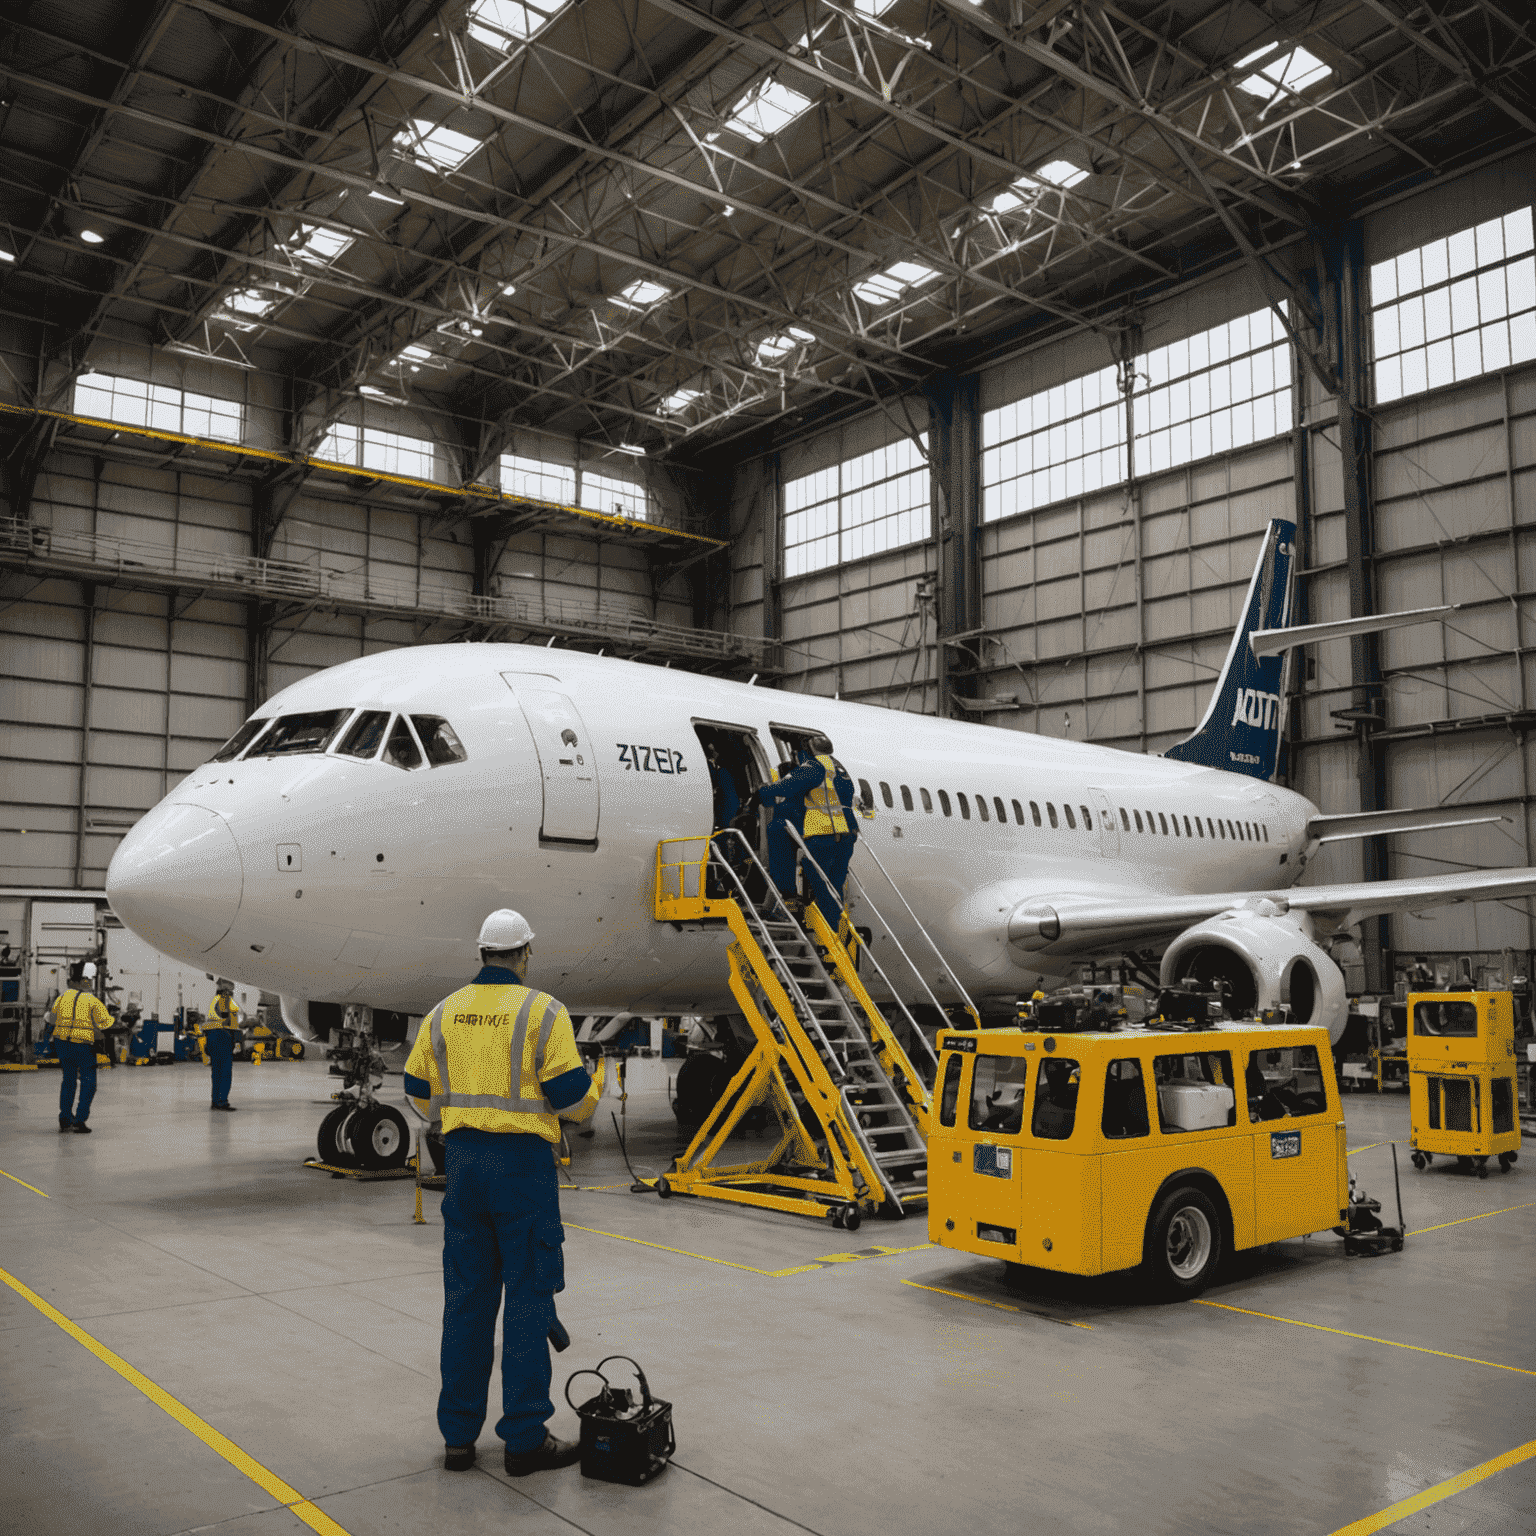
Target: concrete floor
x: 299, y: 1316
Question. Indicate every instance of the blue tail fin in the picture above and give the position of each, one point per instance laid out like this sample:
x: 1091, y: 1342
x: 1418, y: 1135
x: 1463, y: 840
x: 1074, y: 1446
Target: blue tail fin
x: 1241, y: 728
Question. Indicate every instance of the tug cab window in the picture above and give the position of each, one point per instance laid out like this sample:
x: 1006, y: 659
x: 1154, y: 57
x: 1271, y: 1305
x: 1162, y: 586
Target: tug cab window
x: 439, y: 740
x: 949, y: 1099
x: 1055, y: 1098
x: 997, y: 1094
x: 1194, y: 1091
x: 366, y: 735
x: 402, y: 751
x: 309, y: 732
x: 1284, y: 1082
x: 240, y: 740
x: 1445, y: 1018
x: 1125, y: 1100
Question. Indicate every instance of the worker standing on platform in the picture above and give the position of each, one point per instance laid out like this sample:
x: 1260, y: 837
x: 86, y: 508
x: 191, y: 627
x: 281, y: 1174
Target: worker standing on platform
x: 219, y: 1031
x: 79, y: 1016
x: 498, y: 1063
x: 821, y: 788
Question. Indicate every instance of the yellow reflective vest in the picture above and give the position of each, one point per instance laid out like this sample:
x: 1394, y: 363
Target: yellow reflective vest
x: 78, y: 1016
x: 486, y: 1051
x: 223, y: 1013
x: 823, y: 810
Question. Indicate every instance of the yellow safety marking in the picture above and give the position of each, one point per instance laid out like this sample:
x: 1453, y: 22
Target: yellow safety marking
x: 825, y: 1262
x: 33, y: 1187
x: 1002, y: 1306
x: 1369, y: 1338
x: 268, y: 1481
x: 1481, y: 1216
x: 1367, y: 1147
x: 1458, y: 1484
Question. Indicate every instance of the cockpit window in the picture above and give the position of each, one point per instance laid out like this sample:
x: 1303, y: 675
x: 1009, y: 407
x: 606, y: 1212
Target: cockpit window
x: 439, y: 740
x: 309, y: 732
x: 367, y: 734
x: 402, y: 750
x: 241, y: 740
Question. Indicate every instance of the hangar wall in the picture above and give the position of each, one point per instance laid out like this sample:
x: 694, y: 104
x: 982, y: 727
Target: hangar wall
x: 1106, y: 616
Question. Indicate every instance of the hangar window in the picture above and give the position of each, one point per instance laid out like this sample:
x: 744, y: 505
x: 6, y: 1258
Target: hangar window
x: 159, y: 407
x: 240, y: 740
x: 765, y: 110
x: 965, y: 805
x: 858, y: 508
x: 944, y: 801
x: 608, y: 493
x: 997, y: 1094
x: 1055, y: 1098
x: 503, y: 24
x: 927, y: 801
x: 906, y: 799
x: 1455, y: 308
x: 981, y: 808
x: 1034, y: 811
x: 1125, y: 1099
x: 1061, y: 442
x: 435, y: 144
x: 439, y: 740
x: 402, y: 751
x: 391, y: 453
x: 1194, y: 1091
x: 1050, y: 810
x: 1225, y: 388
x: 308, y: 732
x: 367, y: 734
x: 537, y: 480
x: 885, y: 794
x: 1071, y: 819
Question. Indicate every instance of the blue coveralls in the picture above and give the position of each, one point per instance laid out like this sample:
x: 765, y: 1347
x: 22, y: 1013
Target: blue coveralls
x: 832, y: 852
x: 220, y: 1045
x: 77, y: 1064
x: 785, y: 801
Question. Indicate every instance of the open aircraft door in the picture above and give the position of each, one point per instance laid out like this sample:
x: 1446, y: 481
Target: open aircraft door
x: 1109, y: 831
x: 566, y: 759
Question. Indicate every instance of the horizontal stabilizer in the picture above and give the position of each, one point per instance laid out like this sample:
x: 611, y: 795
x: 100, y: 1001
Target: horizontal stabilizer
x: 1335, y: 829
x: 1271, y: 642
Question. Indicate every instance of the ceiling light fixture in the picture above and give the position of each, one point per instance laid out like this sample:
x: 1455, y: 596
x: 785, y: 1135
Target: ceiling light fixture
x: 91, y: 237
x: 7, y: 255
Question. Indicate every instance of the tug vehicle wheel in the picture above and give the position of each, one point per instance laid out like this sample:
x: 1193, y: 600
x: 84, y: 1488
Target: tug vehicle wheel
x: 1184, y: 1241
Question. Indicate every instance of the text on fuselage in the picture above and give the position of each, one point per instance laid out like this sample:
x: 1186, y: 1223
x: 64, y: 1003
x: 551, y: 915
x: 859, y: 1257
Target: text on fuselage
x: 1256, y: 708
x: 651, y: 759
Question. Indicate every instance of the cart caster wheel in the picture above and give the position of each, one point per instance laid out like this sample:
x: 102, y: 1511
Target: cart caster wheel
x: 1417, y: 1160
x: 1505, y: 1159
x: 663, y: 1189
x: 1464, y: 1165
x: 851, y: 1219
x: 1514, y: 1157
x: 1429, y: 1157
x: 835, y: 1216
x: 1482, y: 1167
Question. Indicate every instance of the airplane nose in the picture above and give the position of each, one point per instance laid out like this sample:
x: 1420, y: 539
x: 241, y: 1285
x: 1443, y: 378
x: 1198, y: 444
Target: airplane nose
x: 176, y: 879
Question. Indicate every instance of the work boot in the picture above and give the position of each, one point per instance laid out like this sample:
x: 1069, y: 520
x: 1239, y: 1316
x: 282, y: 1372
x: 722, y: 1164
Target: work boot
x: 553, y: 1453
x: 81, y: 1128
x: 458, y: 1458
x: 65, y: 1124
x: 229, y: 1107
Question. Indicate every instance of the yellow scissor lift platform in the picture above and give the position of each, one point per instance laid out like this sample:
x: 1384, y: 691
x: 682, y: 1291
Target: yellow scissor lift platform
x: 817, y: 1028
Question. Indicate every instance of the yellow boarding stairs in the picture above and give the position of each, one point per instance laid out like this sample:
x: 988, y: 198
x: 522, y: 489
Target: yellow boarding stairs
x: 820, y: 1038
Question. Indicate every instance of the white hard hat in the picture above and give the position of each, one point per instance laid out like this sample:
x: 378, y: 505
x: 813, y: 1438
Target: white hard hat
x: 505, y: 929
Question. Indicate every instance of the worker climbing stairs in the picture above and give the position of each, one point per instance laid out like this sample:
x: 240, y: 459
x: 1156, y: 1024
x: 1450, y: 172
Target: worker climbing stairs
x: 850, y: 1107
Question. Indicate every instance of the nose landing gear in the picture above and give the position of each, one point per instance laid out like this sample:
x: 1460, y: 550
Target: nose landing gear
x: 361, y: 1132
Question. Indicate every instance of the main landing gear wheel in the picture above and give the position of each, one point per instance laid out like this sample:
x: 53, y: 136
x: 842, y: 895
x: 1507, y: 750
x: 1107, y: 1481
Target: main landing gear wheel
x: 331, y: 1143
x: 379, y: 1137
x: 1183, y: 1247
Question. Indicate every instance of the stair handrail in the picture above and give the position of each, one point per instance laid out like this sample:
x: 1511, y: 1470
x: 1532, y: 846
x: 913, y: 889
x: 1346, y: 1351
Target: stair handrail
x: 765, y: 940
x: 869, y: 950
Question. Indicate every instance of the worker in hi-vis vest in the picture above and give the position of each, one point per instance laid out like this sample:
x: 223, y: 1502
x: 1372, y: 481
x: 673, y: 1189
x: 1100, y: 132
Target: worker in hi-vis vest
x: 220, y: 1029
x: 497, y: 1062
x: 821, y: 784
x: 78, y: 1020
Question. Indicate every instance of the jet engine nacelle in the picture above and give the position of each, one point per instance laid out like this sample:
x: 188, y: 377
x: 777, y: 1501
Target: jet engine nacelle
x: 1267, y: 956
x: 296, y: 1016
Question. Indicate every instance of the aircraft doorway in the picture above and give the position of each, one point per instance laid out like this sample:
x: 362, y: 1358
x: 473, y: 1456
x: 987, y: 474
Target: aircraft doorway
x: 567, y: 762
x: 735, y: 770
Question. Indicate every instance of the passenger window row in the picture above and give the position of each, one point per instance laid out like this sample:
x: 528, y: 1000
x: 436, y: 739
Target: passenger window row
x: 1157, y: 822
x: 407, y: 743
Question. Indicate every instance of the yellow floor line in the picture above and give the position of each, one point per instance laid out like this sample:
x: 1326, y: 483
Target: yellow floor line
x: 1463, y: 1480
x: 1296, y: 1322
x: 1481, y: 1216
x: 825, y: 1261
x: 33, y: 1187
x: 1002, y: 1306
x: 269, y: 1482
x: 1366, y: 1148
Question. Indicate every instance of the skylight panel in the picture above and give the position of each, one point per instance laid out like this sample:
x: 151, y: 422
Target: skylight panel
x: 681, y: 399
x: 429, y: 143
x: 641, y: 294
x: 772, y: 348
x: 1293, y: 71
x: 242, y: 305
x: 321, y: 244
x: 895, y: 280
x: 503, y: 23
x: 766, y: 110
x: 1061, y: 173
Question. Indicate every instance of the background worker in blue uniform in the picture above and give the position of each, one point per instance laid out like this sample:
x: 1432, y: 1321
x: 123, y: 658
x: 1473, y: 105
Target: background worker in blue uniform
x: 820, y: 793
x: 219, y: 1031
x: 498, y: 1062
x: 79, y: 1016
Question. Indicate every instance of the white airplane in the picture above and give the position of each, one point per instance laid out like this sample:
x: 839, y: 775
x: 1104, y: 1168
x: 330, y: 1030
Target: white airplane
x: 346, y: 843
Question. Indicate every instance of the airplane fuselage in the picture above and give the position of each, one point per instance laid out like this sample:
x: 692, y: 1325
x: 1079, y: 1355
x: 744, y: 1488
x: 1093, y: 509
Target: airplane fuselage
x: 344, y: 879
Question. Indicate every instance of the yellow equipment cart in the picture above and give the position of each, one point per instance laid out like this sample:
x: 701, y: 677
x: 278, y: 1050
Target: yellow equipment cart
x: 1153, y: 1148
x: 1462, y: 1090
